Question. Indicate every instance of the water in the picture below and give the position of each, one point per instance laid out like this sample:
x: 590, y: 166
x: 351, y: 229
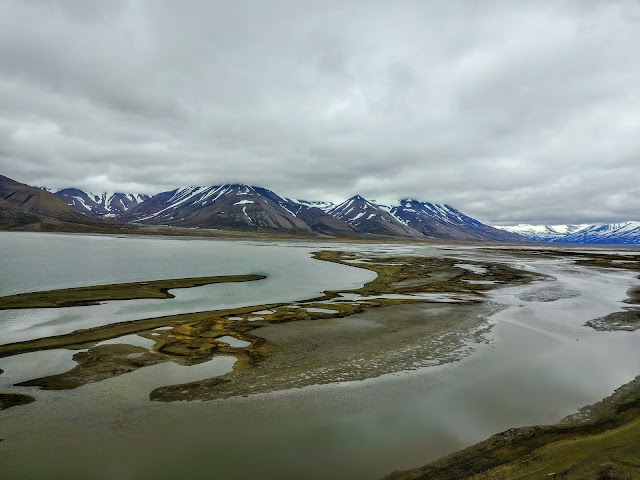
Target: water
x: 542, y: 364
x: 31, y: 262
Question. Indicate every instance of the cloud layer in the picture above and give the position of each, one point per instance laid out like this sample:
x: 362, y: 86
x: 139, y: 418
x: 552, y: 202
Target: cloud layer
x: 511, y: 111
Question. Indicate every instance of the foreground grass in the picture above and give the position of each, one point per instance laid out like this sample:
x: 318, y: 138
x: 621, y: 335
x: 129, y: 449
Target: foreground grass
x: 71, y: 297
x: 612, y: 454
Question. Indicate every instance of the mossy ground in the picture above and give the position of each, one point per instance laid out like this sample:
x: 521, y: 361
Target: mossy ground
x: 70, y: 297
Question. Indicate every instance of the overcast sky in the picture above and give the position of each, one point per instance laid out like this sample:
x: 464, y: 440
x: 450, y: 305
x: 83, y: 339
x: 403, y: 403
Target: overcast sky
x: 511, y: 111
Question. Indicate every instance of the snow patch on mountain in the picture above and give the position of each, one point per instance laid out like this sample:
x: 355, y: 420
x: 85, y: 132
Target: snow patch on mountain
x: 103, y: 204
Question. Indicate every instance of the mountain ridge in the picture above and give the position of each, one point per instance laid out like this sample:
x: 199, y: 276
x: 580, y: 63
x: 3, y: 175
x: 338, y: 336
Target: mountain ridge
x: 240, y: 207
x: 623, y: 233
x: 103, y: 204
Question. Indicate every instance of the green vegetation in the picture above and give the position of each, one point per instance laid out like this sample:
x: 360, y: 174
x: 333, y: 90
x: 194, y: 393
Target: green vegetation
x: 71, y: 297
x: 611, y: 454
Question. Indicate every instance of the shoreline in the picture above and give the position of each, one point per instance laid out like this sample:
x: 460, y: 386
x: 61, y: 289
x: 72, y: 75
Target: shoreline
x: 594, y: 436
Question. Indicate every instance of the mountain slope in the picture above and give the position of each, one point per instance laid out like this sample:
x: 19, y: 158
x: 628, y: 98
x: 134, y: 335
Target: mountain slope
x: 106, y: 204
x: 311, y: 214
x: 367, y: 217
x: 13, y: 217
x: 230, y: 206
x: 34, y: 200
x: 613, y: 233
x: 445, y: 222
x: 29, y: 207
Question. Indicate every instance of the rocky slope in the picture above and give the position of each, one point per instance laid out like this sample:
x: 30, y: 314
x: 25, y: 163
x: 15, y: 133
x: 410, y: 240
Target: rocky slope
x: 366, y: 217
x: 232, y: 207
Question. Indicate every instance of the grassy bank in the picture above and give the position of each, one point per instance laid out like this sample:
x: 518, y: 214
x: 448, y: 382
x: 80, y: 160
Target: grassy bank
x: 599, y: 443
x: 71, y: 297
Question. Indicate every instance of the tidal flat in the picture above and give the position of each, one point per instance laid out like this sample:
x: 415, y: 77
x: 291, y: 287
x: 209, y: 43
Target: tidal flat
x: 415, y: 359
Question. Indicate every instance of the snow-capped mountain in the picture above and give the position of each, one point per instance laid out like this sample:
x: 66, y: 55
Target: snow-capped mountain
x: 611, y: 233
x: 312, y: 213
x: 234, y: 207
x: 251, y: 208
x: 244, y: 207
x: 367, y: 217
x: 445, y: 222
x: 105, y: 204
x: 543, y: 233
x: 604, y: 233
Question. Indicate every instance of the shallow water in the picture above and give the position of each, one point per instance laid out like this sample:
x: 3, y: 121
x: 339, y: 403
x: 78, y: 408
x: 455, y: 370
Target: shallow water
x: 477, y: 269
x: 31, y: 262
x: 233, y: 341
x: 541, y: 364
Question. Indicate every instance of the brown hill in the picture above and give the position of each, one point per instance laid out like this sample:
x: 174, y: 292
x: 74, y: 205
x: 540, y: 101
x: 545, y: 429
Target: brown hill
x: 29, y: 208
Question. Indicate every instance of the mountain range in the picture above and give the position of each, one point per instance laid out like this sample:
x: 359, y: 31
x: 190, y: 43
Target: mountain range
x: 237, y: 207
x: 626, y: 233
x: 249, y: 208
x: 106, y: 204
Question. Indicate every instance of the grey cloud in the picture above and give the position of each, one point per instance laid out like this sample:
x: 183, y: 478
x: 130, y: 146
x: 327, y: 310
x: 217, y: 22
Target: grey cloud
x: 511, y: 111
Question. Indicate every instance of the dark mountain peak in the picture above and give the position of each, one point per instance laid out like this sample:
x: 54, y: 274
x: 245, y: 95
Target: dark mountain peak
x: 367, y: 217
x: 359, y: 199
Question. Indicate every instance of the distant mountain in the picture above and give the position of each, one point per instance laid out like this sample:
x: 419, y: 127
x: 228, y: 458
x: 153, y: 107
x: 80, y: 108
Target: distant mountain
x: 311, y: 213
x: 367, y: 217
x: 543, y: 233
x: 34, y: 200
x: 31, y: 208
x: 242, y: 208
x: 445, y: 222
x: 106, y: 204
x: 627, y: 233
x: 231, y: 207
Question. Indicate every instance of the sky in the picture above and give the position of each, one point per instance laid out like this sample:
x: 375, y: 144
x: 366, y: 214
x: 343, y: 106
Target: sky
x: 513, y: 112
